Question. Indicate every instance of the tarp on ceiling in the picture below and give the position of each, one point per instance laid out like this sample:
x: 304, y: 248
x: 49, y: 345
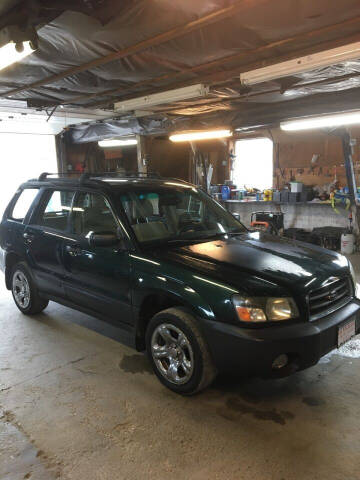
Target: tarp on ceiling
x: 255, y: 116
x: 75, y: 38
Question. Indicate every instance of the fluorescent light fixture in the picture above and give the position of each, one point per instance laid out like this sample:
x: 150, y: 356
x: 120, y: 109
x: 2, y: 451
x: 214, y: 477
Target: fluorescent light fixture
x: 170, y: 96
x: 9, y: 54
x: 117, y: 142
x: 322, y: 121
x: 302, y: 64
x: 200, y: 135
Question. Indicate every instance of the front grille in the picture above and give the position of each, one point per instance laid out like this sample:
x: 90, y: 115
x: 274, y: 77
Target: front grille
x: 329, y: 297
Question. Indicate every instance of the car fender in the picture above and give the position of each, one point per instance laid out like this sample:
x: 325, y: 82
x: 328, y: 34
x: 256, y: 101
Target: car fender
x: 146, y: 285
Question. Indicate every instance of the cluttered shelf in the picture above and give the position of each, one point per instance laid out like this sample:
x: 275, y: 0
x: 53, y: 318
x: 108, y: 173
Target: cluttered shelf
x: 294, y: 193
x: 292, y: 211
x: 272, y: 202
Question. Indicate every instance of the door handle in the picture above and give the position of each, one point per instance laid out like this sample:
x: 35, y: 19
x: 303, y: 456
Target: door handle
x: 73, y: 250
x: 29, y: 237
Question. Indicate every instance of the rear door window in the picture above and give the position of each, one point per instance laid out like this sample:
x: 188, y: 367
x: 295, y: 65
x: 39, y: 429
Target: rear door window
x: 23, y: 204
x: 56, y: 212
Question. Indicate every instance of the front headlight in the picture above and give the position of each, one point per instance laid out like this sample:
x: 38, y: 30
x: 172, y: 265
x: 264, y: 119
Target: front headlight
x: 263, y: 309
x: 353, y: 276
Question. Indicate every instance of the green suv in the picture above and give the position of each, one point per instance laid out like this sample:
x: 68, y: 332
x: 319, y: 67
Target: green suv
x: 186, y: 281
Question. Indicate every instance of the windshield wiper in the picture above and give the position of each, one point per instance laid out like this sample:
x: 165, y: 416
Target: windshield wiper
x: 198, y: 239
x: 233, y: 234
x: 185, y: 240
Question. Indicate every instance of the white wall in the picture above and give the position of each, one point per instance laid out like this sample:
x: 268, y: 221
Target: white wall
x: 23, y: 156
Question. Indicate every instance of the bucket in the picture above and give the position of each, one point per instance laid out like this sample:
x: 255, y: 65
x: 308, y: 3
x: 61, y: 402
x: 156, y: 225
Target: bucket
x: 347, y: 243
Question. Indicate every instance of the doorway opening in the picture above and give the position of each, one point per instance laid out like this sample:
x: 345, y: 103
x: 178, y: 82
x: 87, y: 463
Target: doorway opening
x: 253, y: 166
x: 24, y: 156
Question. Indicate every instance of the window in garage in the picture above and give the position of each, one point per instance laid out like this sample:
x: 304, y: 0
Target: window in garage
x: 23, y: 156
x: 253, y: 166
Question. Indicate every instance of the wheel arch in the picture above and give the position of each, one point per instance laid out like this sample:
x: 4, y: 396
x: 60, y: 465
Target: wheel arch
x: 152, y: 304
x: 11, y: 259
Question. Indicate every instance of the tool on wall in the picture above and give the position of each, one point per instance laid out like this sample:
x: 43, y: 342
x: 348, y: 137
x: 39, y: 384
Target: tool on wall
x: 202, y: 169
x: 314, y: 161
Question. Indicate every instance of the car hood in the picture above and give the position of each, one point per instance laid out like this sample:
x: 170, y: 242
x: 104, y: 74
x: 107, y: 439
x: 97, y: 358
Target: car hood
x: 291, y: 264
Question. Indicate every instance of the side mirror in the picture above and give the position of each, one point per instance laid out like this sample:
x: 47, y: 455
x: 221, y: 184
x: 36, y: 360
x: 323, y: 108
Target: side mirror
x: 103, y: 239
x: 237, y: 216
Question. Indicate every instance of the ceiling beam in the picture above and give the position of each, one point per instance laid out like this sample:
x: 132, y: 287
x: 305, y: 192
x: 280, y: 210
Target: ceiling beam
x: 235, y: 99
x: 218, y: 15
x: 224, y: 75
x: 115, y: 92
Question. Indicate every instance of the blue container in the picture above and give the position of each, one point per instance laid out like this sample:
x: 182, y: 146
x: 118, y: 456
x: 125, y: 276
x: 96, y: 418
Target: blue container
x: 225, y: 192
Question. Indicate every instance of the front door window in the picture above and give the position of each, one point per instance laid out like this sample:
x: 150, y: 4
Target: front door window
x: 92, y: 213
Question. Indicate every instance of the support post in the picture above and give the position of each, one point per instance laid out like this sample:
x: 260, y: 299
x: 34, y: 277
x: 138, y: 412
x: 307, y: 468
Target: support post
x: 350, y: 176
x: 141, y: 154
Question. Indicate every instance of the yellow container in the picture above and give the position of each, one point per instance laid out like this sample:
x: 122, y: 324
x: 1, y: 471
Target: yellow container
x: 268, y: 195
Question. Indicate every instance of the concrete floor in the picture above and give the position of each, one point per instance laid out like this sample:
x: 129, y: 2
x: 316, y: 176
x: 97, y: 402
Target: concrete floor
x: 76, y: 404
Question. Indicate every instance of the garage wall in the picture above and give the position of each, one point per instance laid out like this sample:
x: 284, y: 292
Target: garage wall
x: 173, y: 159
x: 167, y: 158
x: 292, y: 157
x: 293, y: 153
x: 96, y: 159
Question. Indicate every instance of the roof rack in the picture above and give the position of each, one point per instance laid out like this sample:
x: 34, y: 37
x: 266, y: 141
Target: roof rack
x: 94, y: 176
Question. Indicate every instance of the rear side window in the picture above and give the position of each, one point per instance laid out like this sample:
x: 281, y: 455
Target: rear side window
x: 57, y: 210
x: 23, y: 203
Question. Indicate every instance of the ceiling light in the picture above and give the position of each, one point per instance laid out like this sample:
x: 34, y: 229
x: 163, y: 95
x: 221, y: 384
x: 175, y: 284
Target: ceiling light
x: 200, y: 135
x: 322, y: 121
x: 302, y: 64
x: 117, y: 142
x: 11, y: 53
x: 170, y: 96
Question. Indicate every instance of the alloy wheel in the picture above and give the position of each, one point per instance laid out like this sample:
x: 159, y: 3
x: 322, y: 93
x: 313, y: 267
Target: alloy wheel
x: 172, y: 353
x: 21, y: 289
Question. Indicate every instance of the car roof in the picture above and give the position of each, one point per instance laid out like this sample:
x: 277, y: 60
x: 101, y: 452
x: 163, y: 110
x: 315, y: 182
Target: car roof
x: 101, y: 181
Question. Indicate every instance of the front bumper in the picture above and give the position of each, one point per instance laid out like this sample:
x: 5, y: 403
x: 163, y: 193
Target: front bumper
x: 252, y: 351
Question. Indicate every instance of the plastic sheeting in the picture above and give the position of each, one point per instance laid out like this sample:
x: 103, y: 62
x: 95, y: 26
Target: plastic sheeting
x: 254, y: 116
x: 74, y: 38
x: 121, y: 127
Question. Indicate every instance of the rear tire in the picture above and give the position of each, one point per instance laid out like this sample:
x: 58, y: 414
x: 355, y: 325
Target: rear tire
x: 25, y: 292
x: 178, y: 352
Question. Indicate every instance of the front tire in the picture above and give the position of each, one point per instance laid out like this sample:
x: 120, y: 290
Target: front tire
x: 24, y: 291
x: 178, y: 352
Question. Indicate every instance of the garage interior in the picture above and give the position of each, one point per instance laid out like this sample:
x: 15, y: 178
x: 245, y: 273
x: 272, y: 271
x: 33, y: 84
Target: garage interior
x: 104, y: 88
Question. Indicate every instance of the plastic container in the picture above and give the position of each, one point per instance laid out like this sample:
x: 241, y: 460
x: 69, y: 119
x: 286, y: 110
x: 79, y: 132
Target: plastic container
x: 225, y: 192
x: 268, y: 195
x: 296, y: 187
x: 284, y: 196
x: 347, y: 243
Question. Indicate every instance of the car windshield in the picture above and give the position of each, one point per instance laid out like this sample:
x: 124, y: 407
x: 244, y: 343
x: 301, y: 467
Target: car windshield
x: 173, y: 212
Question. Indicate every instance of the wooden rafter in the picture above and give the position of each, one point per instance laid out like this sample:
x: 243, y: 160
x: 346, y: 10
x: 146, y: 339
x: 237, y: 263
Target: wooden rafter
x: 176, y: 32
x: 116, y: 92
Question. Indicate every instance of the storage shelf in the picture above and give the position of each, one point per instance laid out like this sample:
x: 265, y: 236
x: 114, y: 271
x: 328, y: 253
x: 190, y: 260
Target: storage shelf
x: 262, y: 202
